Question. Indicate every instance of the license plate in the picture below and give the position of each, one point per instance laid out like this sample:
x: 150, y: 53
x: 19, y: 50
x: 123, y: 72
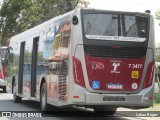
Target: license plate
x: 113, y: 98
x: 115, y: 86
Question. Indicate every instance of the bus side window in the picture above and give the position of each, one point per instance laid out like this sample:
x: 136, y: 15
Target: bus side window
x: 5, y: 59
x: 8, y: 56
x: 11, y: 55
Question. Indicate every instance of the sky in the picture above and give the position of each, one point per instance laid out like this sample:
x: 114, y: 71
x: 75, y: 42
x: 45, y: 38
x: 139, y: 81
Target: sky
x: 130, y: 5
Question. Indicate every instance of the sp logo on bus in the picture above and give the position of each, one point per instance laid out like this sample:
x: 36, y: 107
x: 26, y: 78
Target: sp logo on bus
x: 97, y: 66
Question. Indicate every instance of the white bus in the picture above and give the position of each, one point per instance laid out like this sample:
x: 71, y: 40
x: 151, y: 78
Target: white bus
x: 92, y: 58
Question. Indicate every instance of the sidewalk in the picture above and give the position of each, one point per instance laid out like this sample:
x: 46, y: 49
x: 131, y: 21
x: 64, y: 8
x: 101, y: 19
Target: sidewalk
x: 144, y: 114
x: 155, y: 108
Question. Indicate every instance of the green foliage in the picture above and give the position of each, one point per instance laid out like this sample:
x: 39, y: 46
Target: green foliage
x: 158, y: 15
x: 157, y: 54
x: 19, y: 15
x: 157, y: 98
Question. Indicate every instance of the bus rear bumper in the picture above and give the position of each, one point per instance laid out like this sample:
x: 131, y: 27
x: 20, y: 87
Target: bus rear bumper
x: 3, y: 83
x: 140, y: 100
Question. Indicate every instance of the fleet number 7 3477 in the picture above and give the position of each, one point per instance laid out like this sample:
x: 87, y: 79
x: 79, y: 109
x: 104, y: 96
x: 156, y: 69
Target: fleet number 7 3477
x: 138, y: 66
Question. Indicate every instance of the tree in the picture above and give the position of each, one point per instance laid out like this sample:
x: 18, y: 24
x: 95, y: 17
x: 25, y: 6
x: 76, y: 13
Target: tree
x: 157, y: 54
x: 9, y: 16
x: 158, y: 15
x: 19, y: 15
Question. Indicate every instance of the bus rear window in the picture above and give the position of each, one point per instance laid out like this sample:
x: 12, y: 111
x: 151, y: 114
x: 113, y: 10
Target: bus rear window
x: 115, y: 25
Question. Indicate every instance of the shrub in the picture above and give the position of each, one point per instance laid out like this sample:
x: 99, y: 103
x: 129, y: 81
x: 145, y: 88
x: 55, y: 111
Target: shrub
x: 157, y: 98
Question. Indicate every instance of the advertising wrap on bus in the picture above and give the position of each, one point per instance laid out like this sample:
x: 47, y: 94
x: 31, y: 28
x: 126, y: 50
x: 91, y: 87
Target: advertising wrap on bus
x: 91, y: 58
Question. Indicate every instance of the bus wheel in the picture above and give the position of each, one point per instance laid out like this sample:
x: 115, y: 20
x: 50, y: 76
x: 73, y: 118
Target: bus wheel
x: 43, y: 97
x: 104, y: 110
x: 4, y: 89
x: 16, y: 98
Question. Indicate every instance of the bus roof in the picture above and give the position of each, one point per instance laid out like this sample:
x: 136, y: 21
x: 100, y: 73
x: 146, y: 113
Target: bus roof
x: 35, y: 31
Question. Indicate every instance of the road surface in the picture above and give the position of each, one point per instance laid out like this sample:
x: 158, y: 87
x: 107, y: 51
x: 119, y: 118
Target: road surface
x: 7, y: 104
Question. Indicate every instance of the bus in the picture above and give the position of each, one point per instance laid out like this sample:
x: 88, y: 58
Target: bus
x: 3, y: 82
x: 91, y: 58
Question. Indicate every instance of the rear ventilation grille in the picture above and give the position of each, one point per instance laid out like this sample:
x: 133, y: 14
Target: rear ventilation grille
x: 62, y: 87
x: 62, y: 83
x: 109, y: 52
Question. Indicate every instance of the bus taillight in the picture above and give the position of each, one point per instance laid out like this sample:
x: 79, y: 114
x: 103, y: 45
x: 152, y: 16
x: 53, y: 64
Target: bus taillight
x: 149, y: 75
x: 77, y: 72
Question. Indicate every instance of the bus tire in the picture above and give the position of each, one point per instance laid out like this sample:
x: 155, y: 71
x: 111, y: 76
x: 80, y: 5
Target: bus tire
x: 43, y: 97
x: 4, y: 89
x: 104, y: 110
x: 16, y: 98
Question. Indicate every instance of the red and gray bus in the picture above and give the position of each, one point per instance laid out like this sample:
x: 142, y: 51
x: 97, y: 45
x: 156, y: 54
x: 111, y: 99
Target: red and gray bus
x: 92, y: 58
x: 3, y: 72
